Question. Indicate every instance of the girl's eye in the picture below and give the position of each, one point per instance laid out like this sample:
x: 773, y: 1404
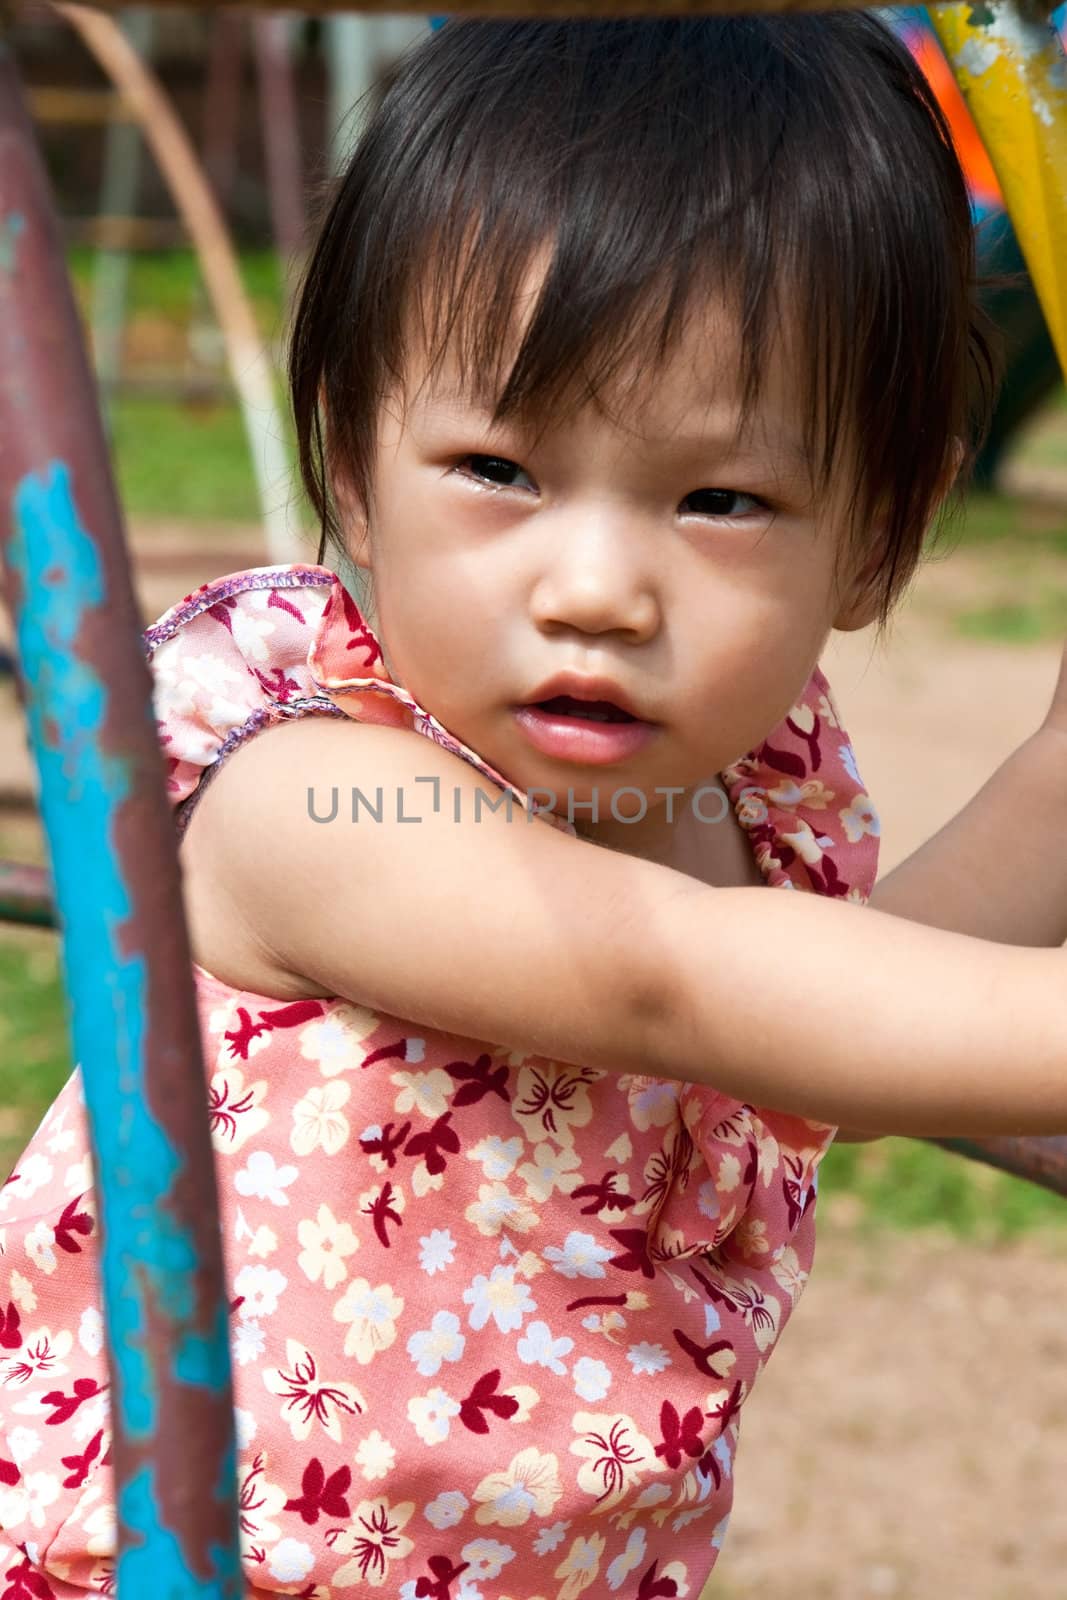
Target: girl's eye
x: 726, y: 502
x: 488, y: 471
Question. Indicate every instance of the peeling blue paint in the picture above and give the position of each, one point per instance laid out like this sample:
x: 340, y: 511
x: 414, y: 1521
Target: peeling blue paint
x: 149, y: 1262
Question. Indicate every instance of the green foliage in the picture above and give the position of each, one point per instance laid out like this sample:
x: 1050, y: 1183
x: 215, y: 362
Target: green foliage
x: 35, y: 1054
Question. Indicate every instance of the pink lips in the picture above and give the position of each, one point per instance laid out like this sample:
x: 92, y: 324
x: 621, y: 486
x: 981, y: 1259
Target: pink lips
x: 575, y: 738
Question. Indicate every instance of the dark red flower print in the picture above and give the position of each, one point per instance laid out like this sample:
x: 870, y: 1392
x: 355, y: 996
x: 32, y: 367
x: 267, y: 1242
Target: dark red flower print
x: 10, y: 1325
x: 220, y: 611
x: 551, y: 1094
x: 829, y: 881
x: 71, y: 1222
x: 668, y: 1166
x: 321, y: 1495
x: 24, y: 1583
x: 729, y: 1408
x: 290, y: 1016
x: 385, y: 1144
x: 362, y: 638
x: 799, y: 1195
x: 437, y: 1584
x: 786, y: 761
x: 277, y: 682
x: 381, y: 1211
x: 680, y: 1436
x: 784, y: 854
x: 602, y: 1196
x: 704, y: 1354
x: 653, y: 1588
x: 65, y: 1405
x: 431, y: 1144
x: 79, y: 1465
x: 223, y: 1112
x: 634, y: 1256
x: 478, y: 1080
x: 482, y: 1398
x: 810, y: 739
x: 597, y: 1300
x: 386, y: 1052
x: 9, y: 1473
x: 283, y: 603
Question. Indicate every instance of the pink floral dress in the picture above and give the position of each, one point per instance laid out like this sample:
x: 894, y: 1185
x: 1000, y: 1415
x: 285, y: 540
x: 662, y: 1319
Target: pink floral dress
x: 494, y: 1317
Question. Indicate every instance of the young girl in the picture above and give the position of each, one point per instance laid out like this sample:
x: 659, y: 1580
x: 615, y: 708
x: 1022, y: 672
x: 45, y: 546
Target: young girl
x: 633, y: 358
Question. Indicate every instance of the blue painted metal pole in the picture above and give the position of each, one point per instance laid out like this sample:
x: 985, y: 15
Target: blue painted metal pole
x: 125, y: 948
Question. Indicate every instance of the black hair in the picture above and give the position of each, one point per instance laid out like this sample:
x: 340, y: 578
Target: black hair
x: 798, y: 164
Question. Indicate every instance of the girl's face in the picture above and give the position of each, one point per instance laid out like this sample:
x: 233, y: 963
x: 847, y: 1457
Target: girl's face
x: 649, y: 547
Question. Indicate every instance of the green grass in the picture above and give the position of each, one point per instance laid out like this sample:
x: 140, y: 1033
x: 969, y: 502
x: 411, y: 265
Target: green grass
x: 894, y: 1183
x: 169, y: 282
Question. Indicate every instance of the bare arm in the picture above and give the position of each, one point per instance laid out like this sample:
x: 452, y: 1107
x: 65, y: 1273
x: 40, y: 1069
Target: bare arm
x: 998, y: 870
x: 512, y: 932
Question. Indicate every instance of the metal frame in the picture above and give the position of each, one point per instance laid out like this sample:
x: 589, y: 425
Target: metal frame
x: 89, y: 708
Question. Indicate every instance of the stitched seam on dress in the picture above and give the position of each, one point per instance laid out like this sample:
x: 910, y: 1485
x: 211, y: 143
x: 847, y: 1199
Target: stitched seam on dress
x: 260, y: 719
x: 295, y: 577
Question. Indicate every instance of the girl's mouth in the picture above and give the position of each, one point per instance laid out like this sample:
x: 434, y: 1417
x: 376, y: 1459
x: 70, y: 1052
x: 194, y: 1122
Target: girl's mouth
x: 589, y: 732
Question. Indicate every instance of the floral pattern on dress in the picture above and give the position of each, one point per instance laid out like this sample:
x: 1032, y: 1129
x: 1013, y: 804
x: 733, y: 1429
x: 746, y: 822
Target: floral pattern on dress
x: 494, y: 1317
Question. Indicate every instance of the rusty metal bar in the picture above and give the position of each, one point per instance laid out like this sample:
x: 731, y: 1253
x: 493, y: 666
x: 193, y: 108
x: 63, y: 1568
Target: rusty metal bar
x: 26, y: 895
x: 126, y: 957
x: 1042, y: 1161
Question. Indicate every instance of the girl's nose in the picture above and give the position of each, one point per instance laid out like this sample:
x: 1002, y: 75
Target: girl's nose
x: 598, y: 579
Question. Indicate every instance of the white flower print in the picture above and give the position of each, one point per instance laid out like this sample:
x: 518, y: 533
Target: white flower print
x: 40, y: 1247
x: 552, y: 1099
x: 580, y: 1257
x: 499, y: 1297
x: 848, y: 761
x: 260, y: 1289
x: 42, y: 1351
x: 309, y: 1397
x: 236, y: 1108
x: 647, y: 1358
x: 372, y: 1314
x: 592, y: 1379
x: 263, y: 1179
x: 631, y: 1558
x: 325, y: 1245
x: 653, y: 1102
x: 258, y: 1501
x: 426, y: 1092
x: 552, y: 1168
x: 447, y: 1510
x: 442, y: 1341
x: 487, y: 1558
x: 436, y: 1251
x: 290, y: 1560
x: 496, y: 1208
x: 496, y: 1155
x: 248, y: 1342
x: 23, y: 1444
x: 859, y: 817
x: 31, y: 1174
x: 23, y: 1293
x: 335, y: 1041
x: 431, y: 1415
x: 373, y: 1539
x: 245, y: 1426
x: 530, y: 1485
x: 787, y: 1272
x: 580, y: 1566
x: 614, y: 1455
x: 538, y: 1348
x: 375, y: 1456
x: 91, y: 1331
x: 319, y: 1121
x: 550, y: 1539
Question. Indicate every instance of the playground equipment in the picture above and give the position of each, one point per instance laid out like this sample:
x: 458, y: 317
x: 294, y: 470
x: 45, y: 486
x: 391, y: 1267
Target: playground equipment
x: 89, y: 708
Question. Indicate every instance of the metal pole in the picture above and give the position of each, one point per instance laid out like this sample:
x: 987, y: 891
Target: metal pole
x: 126, y: 957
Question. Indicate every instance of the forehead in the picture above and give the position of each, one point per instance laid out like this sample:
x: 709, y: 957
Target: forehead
x: 695, y: 388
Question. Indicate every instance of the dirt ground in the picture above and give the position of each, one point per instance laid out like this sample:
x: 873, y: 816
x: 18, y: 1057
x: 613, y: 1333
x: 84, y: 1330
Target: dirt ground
x: 909, y: 1439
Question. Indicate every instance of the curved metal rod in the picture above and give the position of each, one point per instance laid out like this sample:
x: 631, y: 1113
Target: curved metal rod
x: 249, y: 360
x: 134, y: 1024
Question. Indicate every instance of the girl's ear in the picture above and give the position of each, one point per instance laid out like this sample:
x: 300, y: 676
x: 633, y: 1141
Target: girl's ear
x: 860, y: 600
x: 352, y: 517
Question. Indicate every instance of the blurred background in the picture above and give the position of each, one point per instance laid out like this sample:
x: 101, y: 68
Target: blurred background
x: 911, y: 1440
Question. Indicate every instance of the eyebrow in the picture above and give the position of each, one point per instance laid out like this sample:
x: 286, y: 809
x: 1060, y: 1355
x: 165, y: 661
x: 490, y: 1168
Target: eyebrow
x: 679, y: 443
